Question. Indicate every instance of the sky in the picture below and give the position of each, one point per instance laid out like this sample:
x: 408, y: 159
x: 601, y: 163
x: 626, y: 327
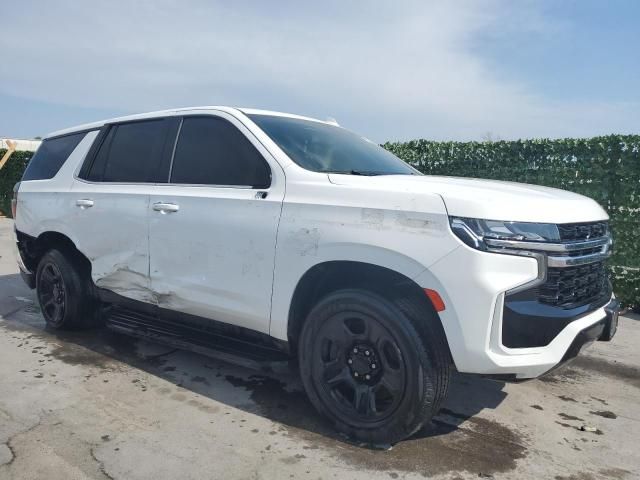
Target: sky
x: 393, y: 70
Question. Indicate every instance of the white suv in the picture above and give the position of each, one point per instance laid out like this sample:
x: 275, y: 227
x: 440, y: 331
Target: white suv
x: 261, y: 235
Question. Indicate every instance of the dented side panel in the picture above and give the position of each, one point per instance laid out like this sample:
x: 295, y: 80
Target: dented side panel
x: 113, y: 235
x: 214, y: 257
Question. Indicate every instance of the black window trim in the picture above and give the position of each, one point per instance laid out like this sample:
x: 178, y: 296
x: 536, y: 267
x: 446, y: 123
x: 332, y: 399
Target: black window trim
x: 106, y: 127
x: 99, y: 141
x: 85, y: 168
x: 209, y: 185
x: 173, y: 151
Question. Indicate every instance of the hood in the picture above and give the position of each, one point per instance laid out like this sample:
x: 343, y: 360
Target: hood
x: 489, y: 199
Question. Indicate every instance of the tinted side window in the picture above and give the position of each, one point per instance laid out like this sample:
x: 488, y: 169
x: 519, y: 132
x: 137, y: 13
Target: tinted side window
x: 50, y: 156
x: 212, y: 151
x: 130, y: 152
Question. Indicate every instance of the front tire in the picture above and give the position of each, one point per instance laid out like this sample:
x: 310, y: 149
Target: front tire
x: 64, y: 292
x: 367, y: 366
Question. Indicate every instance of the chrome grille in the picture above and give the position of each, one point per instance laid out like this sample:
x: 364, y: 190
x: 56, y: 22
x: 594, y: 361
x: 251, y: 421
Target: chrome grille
x: 572, y: 271
x: 574, y: 286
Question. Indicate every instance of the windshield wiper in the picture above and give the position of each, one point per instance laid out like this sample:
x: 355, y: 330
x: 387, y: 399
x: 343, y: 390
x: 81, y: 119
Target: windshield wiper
x: 355, y: 172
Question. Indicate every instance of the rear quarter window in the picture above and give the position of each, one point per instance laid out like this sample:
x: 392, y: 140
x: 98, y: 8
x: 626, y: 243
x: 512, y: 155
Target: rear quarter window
x: 50, y: 156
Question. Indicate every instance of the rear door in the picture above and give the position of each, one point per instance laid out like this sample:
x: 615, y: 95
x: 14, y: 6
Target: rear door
x: 111, y: 204
x: 213, y: 226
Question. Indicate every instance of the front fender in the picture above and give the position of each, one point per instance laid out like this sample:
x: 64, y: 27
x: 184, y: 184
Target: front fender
x: 292, y: 266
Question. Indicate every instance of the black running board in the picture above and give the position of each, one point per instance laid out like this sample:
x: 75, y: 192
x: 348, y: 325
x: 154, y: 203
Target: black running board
x: 199, y: 339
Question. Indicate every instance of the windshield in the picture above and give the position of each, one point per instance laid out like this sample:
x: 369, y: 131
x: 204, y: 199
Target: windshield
x: 326, y: 148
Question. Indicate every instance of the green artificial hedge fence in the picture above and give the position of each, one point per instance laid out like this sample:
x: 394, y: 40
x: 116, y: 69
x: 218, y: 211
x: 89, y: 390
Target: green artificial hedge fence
x: 606, y: 169
x: 10, y: 174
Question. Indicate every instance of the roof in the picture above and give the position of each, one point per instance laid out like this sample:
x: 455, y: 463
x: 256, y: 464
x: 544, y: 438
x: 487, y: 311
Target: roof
x: 159, y: 113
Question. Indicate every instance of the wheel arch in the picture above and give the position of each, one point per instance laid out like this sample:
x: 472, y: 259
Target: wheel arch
x: 33, y: 248
x: 324, y: 278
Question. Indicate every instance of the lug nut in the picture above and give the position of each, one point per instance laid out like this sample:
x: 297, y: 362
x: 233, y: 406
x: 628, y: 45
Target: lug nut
x: 373, y: 365
x: 367, y: 377
x: 349, y: 361
x: 367, y: 353
x: 355, y: 373
x: 355, y: 350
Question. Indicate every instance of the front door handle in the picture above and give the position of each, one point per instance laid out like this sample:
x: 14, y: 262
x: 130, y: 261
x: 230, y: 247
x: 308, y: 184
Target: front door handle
x: 166, y: 207
x: 84, y: 203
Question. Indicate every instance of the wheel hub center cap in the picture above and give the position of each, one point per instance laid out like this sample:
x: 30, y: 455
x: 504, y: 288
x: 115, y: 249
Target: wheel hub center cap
x: 363, y: 362
x: 57, y: 292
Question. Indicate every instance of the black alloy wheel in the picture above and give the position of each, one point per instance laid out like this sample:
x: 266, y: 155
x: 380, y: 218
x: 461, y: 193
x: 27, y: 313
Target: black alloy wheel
x: 377, y: 368
x: 65, y: 290
x: 52, y: 293
x: 361, y: 366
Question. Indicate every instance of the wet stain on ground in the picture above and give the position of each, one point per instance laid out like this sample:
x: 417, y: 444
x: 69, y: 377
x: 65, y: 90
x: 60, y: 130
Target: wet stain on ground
x: 100, y: 348
x: 585, y: 365
x: 570, y: 417
x: 565, y: 374
x: 63, y: 346
x: 73, y: 355
x: 617, y: 473
x: 576, y: 476
x: 453, y: 442
x: 278, y: 403
x: 604, y: 413
x: 563, y: 424
x: 444, y: 446
x: 626, y: 373
x: 565, y: 398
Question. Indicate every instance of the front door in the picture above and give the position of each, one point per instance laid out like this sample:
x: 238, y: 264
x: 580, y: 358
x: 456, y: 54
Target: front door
x: 212, y: 229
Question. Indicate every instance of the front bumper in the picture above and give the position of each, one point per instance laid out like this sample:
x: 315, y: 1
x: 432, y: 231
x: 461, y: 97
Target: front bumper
x: 529, y: 322
x: 474, y: 286
x: 611, y: 324
x: 603, y: 330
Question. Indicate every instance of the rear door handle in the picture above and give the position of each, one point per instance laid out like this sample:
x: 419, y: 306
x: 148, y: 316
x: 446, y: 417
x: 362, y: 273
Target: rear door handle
x: 166, y: 207
x: 84, y: 203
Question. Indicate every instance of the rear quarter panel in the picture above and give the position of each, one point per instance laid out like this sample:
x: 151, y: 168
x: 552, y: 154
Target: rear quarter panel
x: 48, y: 205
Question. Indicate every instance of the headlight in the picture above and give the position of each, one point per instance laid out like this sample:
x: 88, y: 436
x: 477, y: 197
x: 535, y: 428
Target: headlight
x: 474, y: 231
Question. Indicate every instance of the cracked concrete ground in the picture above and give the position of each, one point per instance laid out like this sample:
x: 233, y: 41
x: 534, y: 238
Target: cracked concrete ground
x: 103, y: 406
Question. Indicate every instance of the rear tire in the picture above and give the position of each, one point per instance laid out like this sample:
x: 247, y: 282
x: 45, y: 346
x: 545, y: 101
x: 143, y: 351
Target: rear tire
x: 373, y: 366
x: 64, y: 292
